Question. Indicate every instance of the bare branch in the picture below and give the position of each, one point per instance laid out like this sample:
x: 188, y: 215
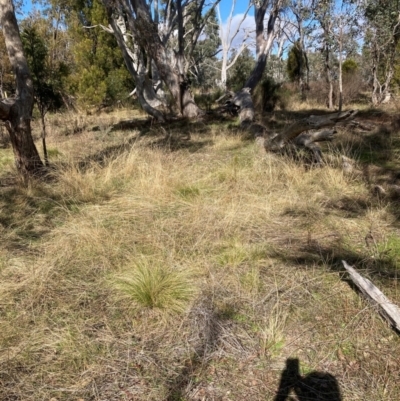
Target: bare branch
x: 105, y: 28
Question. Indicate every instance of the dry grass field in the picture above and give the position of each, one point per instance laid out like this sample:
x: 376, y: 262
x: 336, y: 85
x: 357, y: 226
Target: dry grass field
x: 184, y: 263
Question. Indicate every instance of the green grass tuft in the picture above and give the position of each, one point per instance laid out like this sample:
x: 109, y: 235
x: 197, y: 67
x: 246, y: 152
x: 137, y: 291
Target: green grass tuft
x: 188, y: 192
x: 157, y: 286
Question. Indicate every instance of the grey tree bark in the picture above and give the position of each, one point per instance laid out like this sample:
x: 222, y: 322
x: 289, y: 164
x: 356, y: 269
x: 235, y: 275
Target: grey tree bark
x: 169, y: 63
x: 323, y: 14
x: 264, y: 42
x: 17, y: 111
x: 144, y: 88
x: 311, y: 123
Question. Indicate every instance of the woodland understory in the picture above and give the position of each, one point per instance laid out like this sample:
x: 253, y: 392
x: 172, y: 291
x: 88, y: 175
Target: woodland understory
x: 179, y: 190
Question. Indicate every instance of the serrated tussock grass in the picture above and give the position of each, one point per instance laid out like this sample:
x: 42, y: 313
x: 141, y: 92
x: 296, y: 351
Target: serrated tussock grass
x: 153, y: 284
x: 157, y: 274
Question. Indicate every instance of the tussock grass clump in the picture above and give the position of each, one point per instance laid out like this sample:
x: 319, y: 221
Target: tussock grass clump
x: 151, y: 284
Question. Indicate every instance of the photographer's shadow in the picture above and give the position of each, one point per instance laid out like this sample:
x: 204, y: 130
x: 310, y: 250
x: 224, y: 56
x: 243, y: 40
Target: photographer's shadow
x: 315, y: 386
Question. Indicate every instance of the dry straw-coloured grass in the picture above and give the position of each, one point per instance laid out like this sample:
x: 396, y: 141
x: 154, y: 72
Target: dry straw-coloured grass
x: 191, y: 270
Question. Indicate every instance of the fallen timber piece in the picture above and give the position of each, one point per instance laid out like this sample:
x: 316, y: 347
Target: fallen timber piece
x: 308, y: 139
x: 312, y: 122
x: 388, y: 310
x: 244, y: 102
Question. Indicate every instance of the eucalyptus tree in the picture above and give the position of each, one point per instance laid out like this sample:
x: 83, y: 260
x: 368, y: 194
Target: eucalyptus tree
x: 17, y: 111
x: 382, y: 38
x: 339, y: 25
x: 167, y: 34
x: 345, y: 32
x: 323, y: 14
x: 47, y: 72
x: 264, y: 37
x: 227, y: 37
x: 301, y: 12
x: 264, y: 42
x: 202, y: 58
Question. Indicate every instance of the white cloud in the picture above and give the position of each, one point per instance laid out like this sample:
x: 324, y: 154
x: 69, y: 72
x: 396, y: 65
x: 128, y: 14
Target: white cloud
x: 247, y: 28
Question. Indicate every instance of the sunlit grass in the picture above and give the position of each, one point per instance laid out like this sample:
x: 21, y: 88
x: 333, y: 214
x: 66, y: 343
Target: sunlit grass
x: 194, y: 271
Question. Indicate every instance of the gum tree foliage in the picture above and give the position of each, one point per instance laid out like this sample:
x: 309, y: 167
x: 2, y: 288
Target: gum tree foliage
x: 241, y: 69
x: 201, y: 54
x: 46, y: 75
x: 98, y: 75
x: 296, y: 62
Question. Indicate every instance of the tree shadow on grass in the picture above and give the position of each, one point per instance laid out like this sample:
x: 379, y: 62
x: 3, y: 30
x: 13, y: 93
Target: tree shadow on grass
x: 172, y: 136
x: 315, y: 386
x: 178, y: 142
x: 208, y: 325
x: 379, y: 265
x: 103, y: 156
x: 278, y: 119
x: 25, y: 216
x: 377, y: 147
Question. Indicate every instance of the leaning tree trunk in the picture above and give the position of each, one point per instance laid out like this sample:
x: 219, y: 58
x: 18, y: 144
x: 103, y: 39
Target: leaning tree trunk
x: 381, y: 92
x: 145, y: 92
x: 264, y: 42
x: 17, y: 112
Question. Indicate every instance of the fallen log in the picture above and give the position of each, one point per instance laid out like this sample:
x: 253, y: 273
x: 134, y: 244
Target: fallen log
x: 303, y: 133
x: 308, y: 140
x: 307, y: 124
x: 387, y: 309
x: 243, y: 101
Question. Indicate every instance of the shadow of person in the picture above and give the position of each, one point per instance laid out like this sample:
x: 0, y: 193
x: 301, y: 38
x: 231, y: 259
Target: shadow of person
x: 316, y: 386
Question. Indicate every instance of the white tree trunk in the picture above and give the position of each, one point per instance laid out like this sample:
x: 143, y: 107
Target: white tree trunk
x: 227, y: 40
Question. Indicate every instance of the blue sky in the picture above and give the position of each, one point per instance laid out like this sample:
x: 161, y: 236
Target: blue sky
x: 225, y: 5
x: 247, y: 25
x: 241, y: 6
x: 225, y: 8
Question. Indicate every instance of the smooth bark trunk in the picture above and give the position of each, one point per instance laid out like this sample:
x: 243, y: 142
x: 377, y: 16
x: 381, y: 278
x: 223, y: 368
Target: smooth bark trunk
x: 263, y: 44
x: 144, y: 89
x: 340, y: 68
x: 169, y: 65
x: 263, y: 47
x: 328, y: 76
